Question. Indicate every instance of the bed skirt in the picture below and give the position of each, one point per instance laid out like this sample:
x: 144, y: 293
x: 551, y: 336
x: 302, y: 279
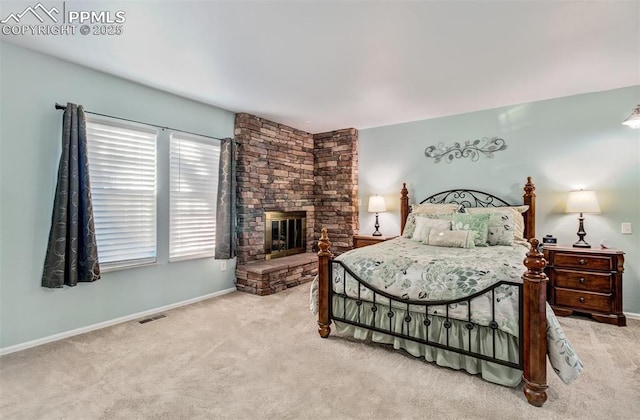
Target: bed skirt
x: 506, y: 345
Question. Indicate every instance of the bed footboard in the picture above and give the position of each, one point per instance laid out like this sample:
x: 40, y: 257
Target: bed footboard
x: 533, y: 343
x: 535, y: 327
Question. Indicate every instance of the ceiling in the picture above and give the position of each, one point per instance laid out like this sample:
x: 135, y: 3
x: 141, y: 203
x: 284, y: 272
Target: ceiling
x: 325, y: 65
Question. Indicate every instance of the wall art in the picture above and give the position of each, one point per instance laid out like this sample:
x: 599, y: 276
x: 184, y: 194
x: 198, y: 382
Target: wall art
x: 472, y: 149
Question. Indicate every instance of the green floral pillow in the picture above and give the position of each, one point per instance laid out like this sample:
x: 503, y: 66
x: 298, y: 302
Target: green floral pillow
x: 479, y: 223
x: 514, y: 211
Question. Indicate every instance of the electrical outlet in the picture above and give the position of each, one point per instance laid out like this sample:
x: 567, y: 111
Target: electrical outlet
x: 223, y: 265
x: 625, y: 228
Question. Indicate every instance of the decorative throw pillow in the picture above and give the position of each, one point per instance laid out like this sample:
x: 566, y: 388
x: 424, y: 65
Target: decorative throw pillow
x: 478, y: 223
x: 425, y: 225
x: 410, y: 226
x: 500, y: 229
x: 430, y: 208
x: 514, y: 211
x: 453, y: 238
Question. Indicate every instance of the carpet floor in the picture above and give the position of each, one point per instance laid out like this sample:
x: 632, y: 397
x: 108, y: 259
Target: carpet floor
x: 241, y: 356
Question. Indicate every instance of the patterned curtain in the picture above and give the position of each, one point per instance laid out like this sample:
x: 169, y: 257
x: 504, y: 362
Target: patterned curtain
x: 226, y: 204
x: 72, y: 253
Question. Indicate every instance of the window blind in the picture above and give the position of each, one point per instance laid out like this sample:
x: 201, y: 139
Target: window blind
x: 122, y: 170
x: 193, y: 189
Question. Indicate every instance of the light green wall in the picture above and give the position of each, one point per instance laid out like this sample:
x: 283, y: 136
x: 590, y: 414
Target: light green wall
x: 30, y: 84
x: 562, y: 143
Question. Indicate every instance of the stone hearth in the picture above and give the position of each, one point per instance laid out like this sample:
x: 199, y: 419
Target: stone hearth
x: 273, y: 276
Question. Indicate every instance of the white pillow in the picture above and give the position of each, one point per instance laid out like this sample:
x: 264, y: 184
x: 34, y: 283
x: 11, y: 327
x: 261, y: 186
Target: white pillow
x: 453, y: 238
x: 410, y: 226
x: 426, y: 225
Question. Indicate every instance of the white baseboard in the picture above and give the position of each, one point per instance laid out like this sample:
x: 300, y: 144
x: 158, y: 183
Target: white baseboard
x: 632, y: 315
x: 82, y: 330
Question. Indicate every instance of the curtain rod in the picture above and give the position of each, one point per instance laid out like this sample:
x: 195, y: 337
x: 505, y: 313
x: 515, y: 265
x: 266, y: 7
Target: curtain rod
x: 58, y: 106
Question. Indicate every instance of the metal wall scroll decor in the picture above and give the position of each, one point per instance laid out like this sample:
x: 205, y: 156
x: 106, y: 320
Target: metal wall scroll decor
x: 470, y: 149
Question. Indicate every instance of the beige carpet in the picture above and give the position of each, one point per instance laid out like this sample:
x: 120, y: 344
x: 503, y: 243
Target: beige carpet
x: 241, y: 356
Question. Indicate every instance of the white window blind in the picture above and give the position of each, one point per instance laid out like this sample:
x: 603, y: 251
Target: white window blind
x: 193, y: 190
x: 122, y: 169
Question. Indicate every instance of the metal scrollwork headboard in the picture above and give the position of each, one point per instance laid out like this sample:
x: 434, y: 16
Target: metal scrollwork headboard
x: 474, y: 198
x: 466, y: 198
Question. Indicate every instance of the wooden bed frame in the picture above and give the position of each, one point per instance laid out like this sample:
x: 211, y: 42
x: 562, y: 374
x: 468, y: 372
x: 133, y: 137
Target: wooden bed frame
x: 534, y: 299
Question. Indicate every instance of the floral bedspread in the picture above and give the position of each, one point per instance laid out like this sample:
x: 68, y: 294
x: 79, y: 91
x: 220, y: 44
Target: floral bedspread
x: 413, y: 271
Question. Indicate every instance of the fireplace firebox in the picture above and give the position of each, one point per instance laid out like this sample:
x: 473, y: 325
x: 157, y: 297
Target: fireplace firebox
x: 285, y: 233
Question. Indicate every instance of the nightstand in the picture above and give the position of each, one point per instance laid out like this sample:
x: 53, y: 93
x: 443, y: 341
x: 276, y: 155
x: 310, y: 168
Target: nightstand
x: 365, y: 240
x: 585, y: 281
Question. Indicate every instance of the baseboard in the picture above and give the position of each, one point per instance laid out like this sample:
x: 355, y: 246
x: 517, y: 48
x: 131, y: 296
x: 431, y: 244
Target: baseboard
x: 82, y: 330
x: 632, y: 315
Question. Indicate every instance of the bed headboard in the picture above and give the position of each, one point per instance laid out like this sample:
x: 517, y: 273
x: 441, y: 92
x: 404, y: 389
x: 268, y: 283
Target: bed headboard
x: 475, y: 198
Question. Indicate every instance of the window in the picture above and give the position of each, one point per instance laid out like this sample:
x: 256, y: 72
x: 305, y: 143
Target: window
x: 122, y: 169
x: 126, y: 161
x: 193, y: 190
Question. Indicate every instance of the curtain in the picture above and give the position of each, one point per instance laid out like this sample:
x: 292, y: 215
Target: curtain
x: 72, y: 252
x: 226, y: 204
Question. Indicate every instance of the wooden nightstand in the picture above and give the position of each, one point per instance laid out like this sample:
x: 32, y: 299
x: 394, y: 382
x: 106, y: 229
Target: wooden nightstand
x: 586, y: 281
x: 365, y: 240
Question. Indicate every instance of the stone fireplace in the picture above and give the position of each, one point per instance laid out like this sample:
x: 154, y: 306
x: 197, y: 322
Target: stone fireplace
x: 284, y: 170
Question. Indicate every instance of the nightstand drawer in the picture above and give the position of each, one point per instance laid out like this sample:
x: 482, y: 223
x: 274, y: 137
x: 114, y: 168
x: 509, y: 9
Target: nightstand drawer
x: 365, y: 242
x: 582, y: 300
x: 583, y: 280
x: 360, y: 241
x: 583, y: 261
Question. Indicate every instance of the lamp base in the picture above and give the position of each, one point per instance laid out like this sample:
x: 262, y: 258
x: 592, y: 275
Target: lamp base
x: 581, y: 244
x: 377, y: 225
x: 581, y: 234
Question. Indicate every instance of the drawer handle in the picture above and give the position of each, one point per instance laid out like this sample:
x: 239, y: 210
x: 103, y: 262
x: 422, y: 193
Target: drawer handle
x: 581, y: 261
x: 581, y: 280
x: 581, y: 300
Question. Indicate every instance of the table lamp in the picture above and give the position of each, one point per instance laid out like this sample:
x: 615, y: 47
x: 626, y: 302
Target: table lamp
x: 376, y: 205
x: 582, y: 202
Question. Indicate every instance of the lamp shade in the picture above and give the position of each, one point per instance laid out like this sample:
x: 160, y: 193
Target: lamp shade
x: 582, y: 201
x: 633, y: 120
x: 376, y: 204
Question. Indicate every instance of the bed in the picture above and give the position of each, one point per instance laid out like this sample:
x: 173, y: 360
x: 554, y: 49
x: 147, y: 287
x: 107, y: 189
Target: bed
x: 438, y: 296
